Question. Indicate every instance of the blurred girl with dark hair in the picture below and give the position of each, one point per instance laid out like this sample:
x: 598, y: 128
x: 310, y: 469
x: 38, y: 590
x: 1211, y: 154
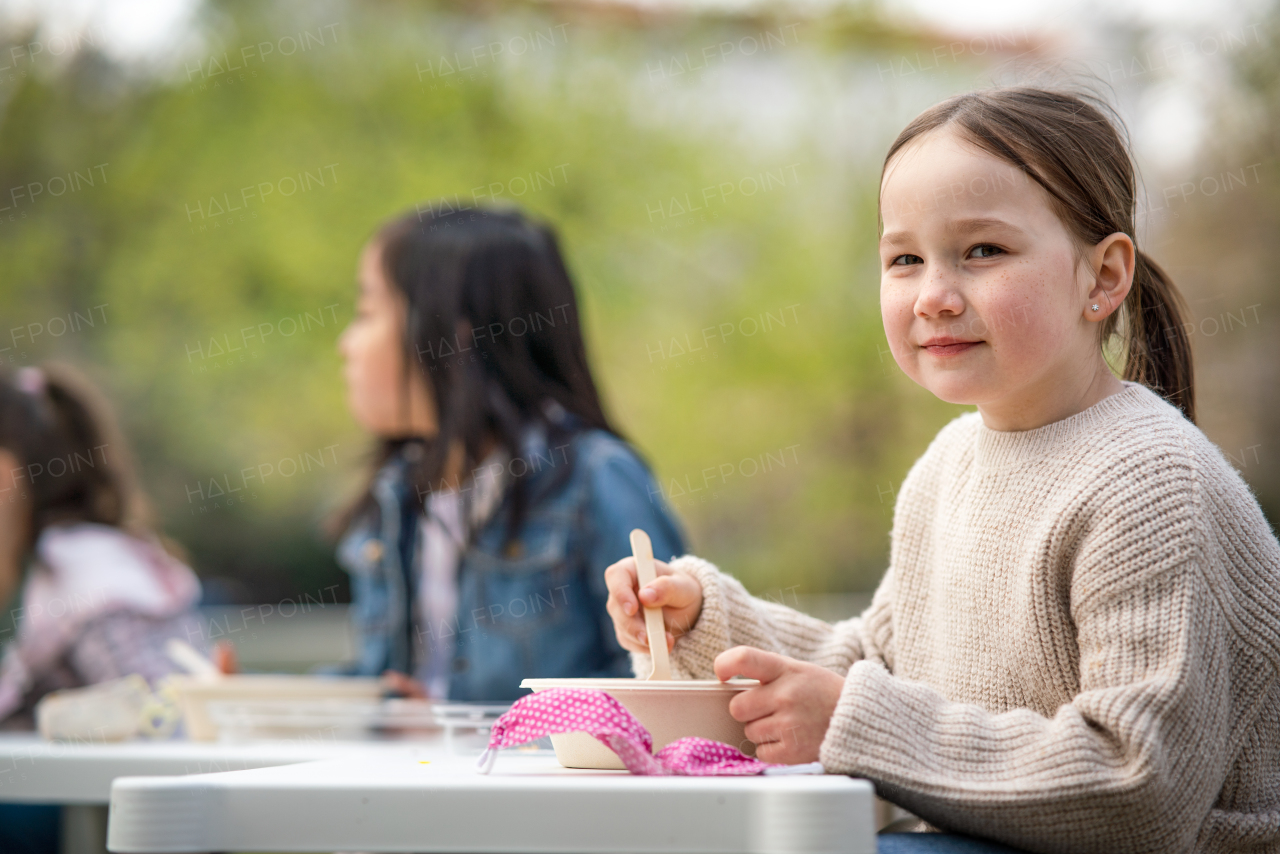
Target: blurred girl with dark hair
x: 500, y: 490
x: 100, y: 595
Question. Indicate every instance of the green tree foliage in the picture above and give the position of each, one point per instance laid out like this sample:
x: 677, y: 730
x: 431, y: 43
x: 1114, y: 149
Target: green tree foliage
x: 728, y: 276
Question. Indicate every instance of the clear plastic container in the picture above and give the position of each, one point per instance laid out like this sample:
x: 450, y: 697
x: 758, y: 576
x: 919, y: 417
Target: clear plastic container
x: 283, y: 693
x: 463, y: 727
x: 322, y: 719
x: 467, y: 725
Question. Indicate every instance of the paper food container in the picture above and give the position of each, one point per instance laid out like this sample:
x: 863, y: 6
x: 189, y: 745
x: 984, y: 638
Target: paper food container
x: 670, y: 710
x: 196, y: 693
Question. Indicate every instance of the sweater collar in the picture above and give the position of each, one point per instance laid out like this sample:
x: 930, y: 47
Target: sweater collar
x: 998, y: 449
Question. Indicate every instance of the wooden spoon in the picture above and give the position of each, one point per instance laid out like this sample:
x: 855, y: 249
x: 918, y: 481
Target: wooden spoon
x: 642, y: 548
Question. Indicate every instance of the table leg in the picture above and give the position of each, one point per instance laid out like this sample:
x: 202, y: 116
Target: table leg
x: 84, y: 829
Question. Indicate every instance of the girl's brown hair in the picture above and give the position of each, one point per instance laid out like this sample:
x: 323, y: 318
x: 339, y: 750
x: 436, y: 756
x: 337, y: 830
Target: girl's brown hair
x: 74, y: 466
x: 1066, y: 143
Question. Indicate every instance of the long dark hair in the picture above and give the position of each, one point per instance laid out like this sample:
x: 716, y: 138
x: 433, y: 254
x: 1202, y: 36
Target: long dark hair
x: 75, y: 466
x: 1070, y: 145
x: 492, y: 326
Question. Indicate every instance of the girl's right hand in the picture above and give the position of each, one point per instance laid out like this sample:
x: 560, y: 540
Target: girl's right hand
x: 679, y: 595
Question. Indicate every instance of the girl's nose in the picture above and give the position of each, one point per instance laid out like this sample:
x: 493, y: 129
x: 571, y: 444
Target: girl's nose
x: 938, y: 295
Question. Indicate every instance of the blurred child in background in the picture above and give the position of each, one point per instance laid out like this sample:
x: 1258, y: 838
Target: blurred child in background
x: 100, y: 595
x: 500, y: 489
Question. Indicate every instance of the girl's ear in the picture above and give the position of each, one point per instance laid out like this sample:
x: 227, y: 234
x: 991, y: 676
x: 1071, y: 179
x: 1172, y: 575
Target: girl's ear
x: 1113, y: 261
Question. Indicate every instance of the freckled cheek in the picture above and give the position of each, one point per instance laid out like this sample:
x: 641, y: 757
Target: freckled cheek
x: 897, y: 314
x: 1026, y: 340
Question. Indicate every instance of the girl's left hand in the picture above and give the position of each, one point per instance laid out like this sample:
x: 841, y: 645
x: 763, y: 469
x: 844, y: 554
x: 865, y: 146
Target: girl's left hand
x: 225, y: 657
x: 403, y: 684
x: 788, y: 715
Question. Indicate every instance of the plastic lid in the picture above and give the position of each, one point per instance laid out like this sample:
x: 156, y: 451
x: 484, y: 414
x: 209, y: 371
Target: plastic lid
x: 734, y: 684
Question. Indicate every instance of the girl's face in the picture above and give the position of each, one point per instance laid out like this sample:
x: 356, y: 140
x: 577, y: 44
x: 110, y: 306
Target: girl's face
x: 983, y: 297
x: 387, y: 398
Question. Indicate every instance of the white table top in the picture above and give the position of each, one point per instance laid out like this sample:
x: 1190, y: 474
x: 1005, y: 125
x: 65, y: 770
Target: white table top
x: 424, y: 799
x: 33, y: 770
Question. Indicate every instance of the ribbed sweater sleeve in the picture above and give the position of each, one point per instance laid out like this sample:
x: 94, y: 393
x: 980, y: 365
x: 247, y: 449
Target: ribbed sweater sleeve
x: 733, y: 617
x: 1131, y: 765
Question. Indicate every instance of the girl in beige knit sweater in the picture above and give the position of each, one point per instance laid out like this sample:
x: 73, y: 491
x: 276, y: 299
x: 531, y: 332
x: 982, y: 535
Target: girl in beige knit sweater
x: 1076, y: 645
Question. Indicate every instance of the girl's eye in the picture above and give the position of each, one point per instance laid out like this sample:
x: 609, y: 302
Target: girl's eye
x: 985, y: 250
x: 904, y: 260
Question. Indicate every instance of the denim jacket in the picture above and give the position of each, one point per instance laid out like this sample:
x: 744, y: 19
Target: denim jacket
x: 534, y: 607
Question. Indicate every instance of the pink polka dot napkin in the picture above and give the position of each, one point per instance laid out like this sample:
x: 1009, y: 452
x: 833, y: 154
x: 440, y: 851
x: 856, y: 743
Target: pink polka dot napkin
x: 558, y: 710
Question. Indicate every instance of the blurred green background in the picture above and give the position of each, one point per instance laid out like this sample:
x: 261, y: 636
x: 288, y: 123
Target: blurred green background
x: 713, y: 175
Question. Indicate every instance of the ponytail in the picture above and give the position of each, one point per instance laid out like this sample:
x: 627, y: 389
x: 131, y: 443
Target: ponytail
x: 1157, y: 346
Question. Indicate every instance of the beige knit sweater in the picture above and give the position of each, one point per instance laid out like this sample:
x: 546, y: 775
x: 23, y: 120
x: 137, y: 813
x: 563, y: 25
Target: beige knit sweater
x: 1075, y: 647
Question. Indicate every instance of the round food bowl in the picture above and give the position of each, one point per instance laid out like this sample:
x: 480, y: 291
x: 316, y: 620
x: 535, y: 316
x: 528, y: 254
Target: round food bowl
x: 670, y: 710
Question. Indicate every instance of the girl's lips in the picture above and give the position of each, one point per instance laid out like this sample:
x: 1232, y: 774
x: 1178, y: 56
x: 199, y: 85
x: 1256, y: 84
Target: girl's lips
x: 950, y: 349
